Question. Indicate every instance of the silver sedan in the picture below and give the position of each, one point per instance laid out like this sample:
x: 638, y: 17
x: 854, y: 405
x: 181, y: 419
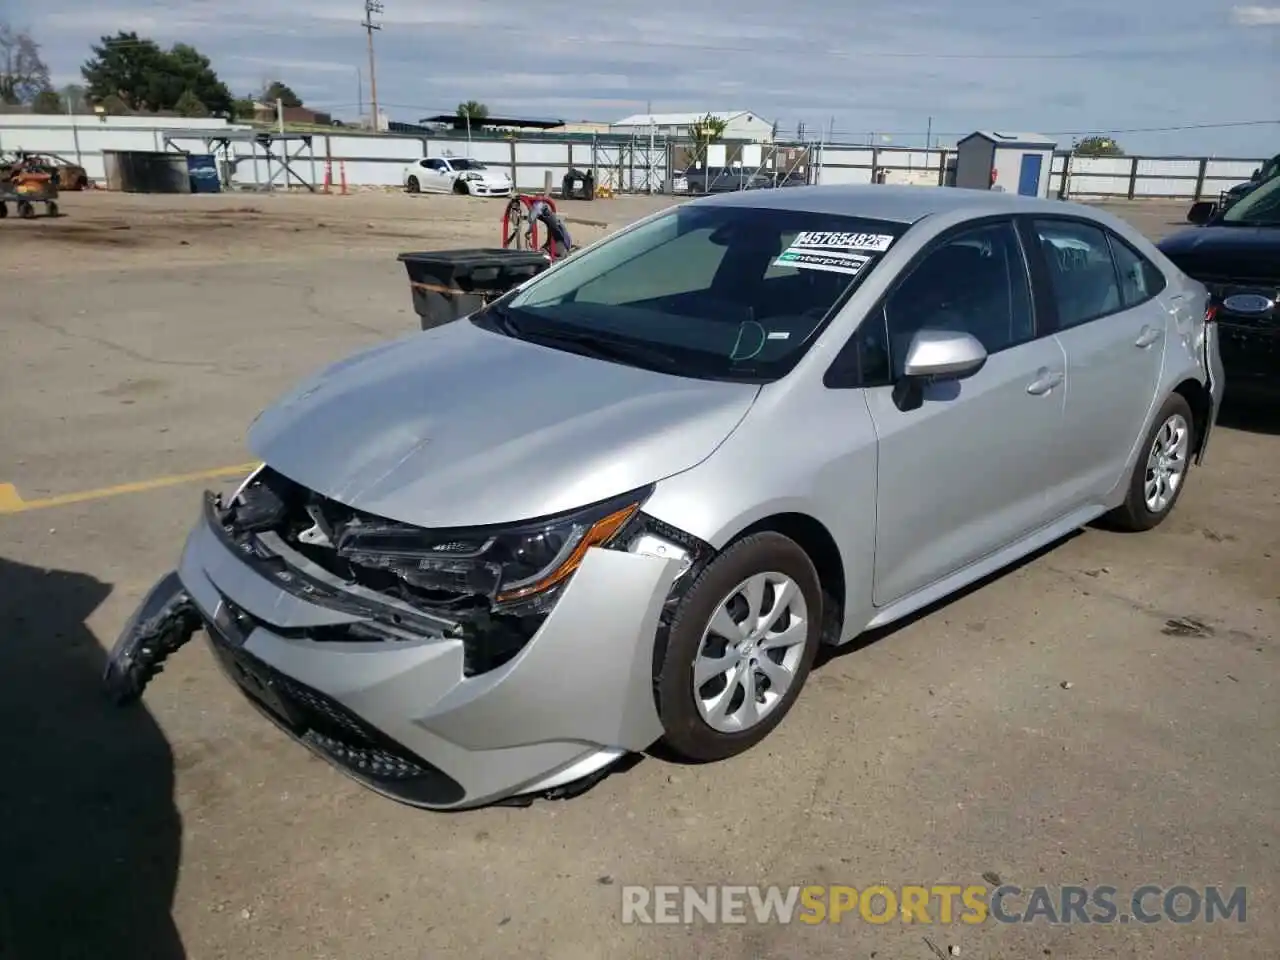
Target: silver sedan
x: 629, y: 501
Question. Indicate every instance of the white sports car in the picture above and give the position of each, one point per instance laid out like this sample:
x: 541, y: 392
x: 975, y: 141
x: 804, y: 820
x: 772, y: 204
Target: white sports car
x: 456, y: 175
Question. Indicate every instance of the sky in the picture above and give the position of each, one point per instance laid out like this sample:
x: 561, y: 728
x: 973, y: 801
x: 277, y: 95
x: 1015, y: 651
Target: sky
x: 854, y: 69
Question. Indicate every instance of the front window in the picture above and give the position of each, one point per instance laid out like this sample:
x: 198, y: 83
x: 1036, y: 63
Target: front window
x: 718, y: 292
x: 1259, y: 209
x: 467, y: 164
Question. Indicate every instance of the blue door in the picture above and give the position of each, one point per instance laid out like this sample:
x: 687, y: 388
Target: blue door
x: 1029, y: 175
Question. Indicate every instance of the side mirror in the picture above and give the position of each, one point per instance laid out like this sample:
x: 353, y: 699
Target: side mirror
x: 937, y: 356
x: 1257, y: 174
x: 1202, y: 212
x: 943, y: 355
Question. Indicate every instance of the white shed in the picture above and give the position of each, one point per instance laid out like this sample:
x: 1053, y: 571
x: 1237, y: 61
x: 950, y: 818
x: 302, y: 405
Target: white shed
x: 1018, y: 162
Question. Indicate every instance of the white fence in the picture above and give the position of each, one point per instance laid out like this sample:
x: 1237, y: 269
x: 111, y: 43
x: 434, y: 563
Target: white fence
x: 364, y: 159
x: 380, y: 160
x: 1133, y: 178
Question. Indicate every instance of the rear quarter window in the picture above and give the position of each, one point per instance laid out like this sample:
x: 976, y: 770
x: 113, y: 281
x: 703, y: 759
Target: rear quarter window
x: 1140, y: 279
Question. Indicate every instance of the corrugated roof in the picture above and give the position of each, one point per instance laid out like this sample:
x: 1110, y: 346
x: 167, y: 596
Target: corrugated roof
x: 679, y: 119
x: 1005, y: 136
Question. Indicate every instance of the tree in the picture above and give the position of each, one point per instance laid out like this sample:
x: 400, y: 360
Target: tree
x: 708, y: 128
x: 113, y: 105
x: 189, y: 105
x: 73, y: 95
x: 48, y: 101
x: 1098, y: 146
x: 197, y: 75
x: 242, y: 108
x: 23, y: 74
x: 277, y: 90
x: 472, y: 110
x: 128, y: 67
x: 145, y: 77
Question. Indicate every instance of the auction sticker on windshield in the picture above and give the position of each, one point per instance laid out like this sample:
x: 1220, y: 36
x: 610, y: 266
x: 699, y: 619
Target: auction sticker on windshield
x: 831, y: 240
x: 832, y: 251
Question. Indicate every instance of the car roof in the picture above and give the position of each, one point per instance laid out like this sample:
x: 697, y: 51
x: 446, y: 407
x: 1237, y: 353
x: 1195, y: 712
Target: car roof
x: 896, y: 204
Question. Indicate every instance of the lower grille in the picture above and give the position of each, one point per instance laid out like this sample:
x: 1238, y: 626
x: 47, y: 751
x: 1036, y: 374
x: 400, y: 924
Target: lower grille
x: 335, y: 732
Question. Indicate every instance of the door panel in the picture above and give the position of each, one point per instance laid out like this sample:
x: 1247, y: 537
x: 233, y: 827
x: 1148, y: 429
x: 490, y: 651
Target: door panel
x: 1112, y: 333
x: 964, y: 474
x: 1029, y: 175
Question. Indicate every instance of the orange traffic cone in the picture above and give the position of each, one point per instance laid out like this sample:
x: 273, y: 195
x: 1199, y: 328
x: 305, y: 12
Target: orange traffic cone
x: 342, y: 168
x: 328, y: 175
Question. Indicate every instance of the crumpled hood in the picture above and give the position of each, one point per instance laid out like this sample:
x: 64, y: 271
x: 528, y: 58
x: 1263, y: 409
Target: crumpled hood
x: 458, y: 426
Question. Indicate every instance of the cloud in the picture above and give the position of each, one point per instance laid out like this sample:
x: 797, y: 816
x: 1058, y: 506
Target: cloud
x: 1256, y: 16
x: 295, y: 66
x: 882, y: 65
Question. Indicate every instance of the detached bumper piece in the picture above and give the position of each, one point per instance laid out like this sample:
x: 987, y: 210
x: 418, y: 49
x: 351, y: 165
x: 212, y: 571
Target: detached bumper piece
x: 163, y: 622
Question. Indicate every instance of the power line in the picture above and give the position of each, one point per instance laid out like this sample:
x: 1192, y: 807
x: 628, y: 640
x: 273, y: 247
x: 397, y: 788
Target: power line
x: 1094, y: 131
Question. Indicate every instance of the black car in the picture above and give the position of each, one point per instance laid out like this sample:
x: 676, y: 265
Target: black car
x: 1264, y: 174
x: 1235, y: 252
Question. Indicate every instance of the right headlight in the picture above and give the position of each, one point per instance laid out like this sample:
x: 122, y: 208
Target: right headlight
x: 513, y: 564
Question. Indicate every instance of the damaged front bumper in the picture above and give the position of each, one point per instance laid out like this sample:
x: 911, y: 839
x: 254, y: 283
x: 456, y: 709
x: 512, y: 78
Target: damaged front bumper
x: 401, y: 715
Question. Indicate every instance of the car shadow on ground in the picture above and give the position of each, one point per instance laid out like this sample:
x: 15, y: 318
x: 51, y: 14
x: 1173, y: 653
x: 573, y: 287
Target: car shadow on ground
x: 828, y: 654
x: 1249, y: 417
x: 90, y: 835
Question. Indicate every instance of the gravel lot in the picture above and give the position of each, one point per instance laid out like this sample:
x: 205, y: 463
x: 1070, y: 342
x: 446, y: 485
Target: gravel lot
x: 1104, y: 714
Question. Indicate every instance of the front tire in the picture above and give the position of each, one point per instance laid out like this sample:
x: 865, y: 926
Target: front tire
x: 739, y: 648
x: 412, y: 185
x: 461, y: 188
x: 1160, y: 475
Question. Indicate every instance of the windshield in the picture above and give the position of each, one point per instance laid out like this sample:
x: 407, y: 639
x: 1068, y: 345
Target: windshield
x: 716, y: 292
x: 466, y: 164
x: 1259, y: 209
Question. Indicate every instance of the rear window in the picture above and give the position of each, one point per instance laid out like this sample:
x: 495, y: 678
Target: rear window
x: 725, y: 292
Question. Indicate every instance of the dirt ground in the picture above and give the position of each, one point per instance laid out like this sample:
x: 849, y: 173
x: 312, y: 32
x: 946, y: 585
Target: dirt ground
x: 99, y: 230
x: 1103, y: 714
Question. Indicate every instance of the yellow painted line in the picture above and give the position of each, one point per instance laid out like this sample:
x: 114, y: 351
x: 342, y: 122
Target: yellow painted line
x: 12, y: 502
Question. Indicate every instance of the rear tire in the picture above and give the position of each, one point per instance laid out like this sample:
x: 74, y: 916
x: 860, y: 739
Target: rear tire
x: 709, y: 638
x: 1160, y: 473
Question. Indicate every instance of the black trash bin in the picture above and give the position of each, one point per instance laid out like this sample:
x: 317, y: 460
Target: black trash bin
x: 450, y: 284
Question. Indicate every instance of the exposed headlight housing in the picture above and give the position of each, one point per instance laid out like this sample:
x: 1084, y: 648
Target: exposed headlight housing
x: 513, y: 565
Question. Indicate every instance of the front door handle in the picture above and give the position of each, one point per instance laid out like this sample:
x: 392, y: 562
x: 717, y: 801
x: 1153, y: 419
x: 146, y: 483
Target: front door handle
x: 1045, y: 381
x: 1147, y: 336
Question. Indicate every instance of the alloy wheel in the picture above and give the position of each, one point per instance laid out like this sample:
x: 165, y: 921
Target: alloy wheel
x: 750, y: 652
x: 1166, y: 463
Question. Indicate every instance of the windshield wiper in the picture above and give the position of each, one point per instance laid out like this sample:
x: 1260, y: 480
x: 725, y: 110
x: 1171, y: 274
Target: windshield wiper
x: 606, y: 348
x: 501, y: 318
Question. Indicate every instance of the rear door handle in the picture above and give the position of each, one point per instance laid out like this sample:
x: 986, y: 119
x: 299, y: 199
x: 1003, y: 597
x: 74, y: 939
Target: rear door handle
x: 1045, y: 381
x: 1148, y: 336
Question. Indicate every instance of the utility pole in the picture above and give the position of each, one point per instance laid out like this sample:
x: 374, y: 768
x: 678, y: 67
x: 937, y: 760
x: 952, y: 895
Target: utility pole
x: 370, y: 8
